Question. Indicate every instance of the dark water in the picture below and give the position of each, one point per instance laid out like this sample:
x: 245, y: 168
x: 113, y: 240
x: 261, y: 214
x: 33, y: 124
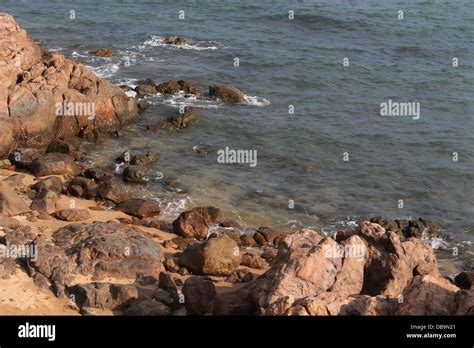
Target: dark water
x: 295, y: 62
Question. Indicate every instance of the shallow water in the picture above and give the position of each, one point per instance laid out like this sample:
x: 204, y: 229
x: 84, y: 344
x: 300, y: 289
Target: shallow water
x: 293, y: 62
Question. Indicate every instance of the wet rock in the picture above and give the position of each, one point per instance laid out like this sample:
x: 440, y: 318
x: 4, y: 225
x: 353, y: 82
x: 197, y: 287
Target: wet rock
x: 227, y: 93
x: 112, y: 189
x: 144, y: 159
x: 217, y: 256
x: 199, y: 296
x: 11, y: 203
x: 179, y: 41
x: 135, y: 173
x: 98, y: 173
x: 54, y: 164
x: 230, y: 224
x: 52, y: 183
x: 191, y: 224
x: 190, y: 87
x: 72, y: 214
x: 265, y: 235
x: 103, y: 52
x: 141, y: 208
x: 149, y: 88
x: 464, y: 280
x: 412, y: 230
x: 190, y: 114
x: 169, y: 87
x: 247, y: 240
x: 428, y: 295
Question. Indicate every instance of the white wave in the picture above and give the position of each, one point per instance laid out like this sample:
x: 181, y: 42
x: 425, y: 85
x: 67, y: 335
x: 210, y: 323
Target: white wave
x: 106, y: 70
x: 183, y: 99
x: 436, y: 242
x: 132, y: 94
x: 256, y: 101
x: 172, y: 209
x: 159, y: 41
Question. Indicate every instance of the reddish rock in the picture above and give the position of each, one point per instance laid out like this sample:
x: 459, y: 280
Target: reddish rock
x: 11, y: 203
x: 54, y: 164
x: 72, y: 214
x: 191, y: 224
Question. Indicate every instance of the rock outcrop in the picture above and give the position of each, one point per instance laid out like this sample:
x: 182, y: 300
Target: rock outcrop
x: 44, y: 96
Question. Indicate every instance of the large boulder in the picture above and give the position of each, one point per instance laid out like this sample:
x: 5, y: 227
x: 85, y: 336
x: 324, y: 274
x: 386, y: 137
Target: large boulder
x: 35, y: 84
x: 216, y: 256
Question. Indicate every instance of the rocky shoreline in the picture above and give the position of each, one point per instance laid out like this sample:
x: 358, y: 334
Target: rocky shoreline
x: 79, y: 239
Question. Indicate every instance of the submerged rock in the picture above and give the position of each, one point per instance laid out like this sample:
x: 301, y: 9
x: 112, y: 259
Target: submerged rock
x: 227, y: 93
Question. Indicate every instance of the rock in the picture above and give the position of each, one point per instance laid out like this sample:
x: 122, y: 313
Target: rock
x: 265, y: 235
x: 82, y: 187
x: 190, y: 114
x: 240, y: 276
x: 465, y: 302
x: 247, y: 240
x: 11, y: 204
x: 72, y: 214
x: 141, y: 208
x: 227, y: 93
x: 144, y: 159
x: 6, y: 164
x: 412, y: 230
x: 199, y: 295
x: 428, y: 295
x: 69, y: 147
x: 391, y: 263
x: 103, y: 52
x: 23, y: 157
x: 171, y: 266
x: 190, y: 87
x: 135, y: 173
x: 269, y: 255
x: 46, y: 96
x: 100, y: 249
x: 464, y: 280
x: 191, y: 224
x: 182, y: 243
x: 181, y: 41
x: 238, y: 302
x: 167, y: 283
x: 148, y: 307
x: 41, y: 281
x: 253, y: 261
x: 150, y: 89
x: 112, y: 189
x: 98, y: 173
x: 169, y: 87
x: 52, y: 183
x: 46, y: 202
x: 217, y: 256
x: 210, y: 214
x: 54, y: 164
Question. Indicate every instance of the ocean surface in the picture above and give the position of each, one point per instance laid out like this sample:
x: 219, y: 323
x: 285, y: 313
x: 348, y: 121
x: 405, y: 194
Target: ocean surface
x: 334, y: 160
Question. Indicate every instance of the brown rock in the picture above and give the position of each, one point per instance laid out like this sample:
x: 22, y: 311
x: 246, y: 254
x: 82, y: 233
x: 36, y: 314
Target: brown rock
x: 253, y: 261
x: 72, y: 214
x: 199, y: 295
x: 217, y: 256
x: 227, y: 93
x: 52, y: 183
x: 464, y: 280
x: 135, y: 173
x: 54, y: 164
x: 191, y: 224
x: 103, y: 52
x: 141, y: 208
x: 238, y: 302
x: 112, y: 189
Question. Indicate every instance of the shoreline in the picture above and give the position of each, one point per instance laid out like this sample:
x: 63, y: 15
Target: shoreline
x: 103, y: 248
